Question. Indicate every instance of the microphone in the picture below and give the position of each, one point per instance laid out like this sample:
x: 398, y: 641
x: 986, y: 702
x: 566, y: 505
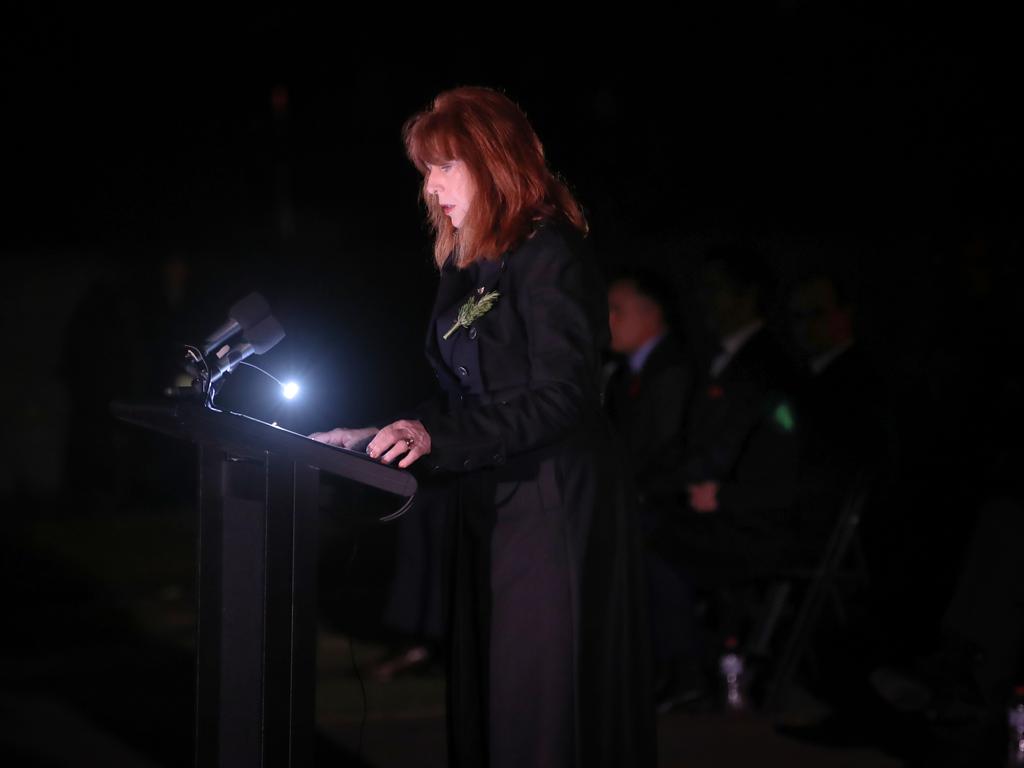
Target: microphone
x: 244, y: 315
x: 255, y: 341
x: 222, y: 352
x: 264, y: 334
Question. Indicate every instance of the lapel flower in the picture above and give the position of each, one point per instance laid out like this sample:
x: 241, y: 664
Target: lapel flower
x: 472, y: 311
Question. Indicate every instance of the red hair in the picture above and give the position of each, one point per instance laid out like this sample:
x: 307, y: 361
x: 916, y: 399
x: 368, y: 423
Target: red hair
x: 514, y: 186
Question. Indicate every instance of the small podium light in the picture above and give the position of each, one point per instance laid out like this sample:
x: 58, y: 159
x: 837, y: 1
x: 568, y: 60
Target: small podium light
x: 289, y: 389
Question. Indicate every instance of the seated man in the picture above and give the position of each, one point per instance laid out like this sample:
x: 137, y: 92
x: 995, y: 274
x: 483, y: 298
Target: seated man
x: 841, y: 405
x: 739, y: 471
x: 646, y: 395
x: 646, y: 399
x: 725, y: 499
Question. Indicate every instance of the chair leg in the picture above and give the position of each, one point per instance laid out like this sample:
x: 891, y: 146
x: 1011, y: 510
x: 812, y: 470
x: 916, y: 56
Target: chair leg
x: 760, y: 639
x: 821, y: 588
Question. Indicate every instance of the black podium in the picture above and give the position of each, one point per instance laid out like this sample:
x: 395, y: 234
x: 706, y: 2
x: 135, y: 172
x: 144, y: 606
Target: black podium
x: 256, y: 640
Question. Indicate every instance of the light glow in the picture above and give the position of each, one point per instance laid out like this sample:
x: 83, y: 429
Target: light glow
x: 290, y: 390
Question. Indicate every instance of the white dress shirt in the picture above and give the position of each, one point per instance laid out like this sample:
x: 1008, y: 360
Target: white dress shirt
x: 732, y: 344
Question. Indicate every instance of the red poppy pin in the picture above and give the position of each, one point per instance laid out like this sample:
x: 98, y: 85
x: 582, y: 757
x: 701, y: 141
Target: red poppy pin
x: 715, y: 391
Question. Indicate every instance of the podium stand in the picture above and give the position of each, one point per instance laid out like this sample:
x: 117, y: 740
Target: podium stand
x: 256, y: 639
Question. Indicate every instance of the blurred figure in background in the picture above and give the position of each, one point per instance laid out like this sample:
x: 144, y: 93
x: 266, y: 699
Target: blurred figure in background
x: 740, y: 466
x: 646, y: 396
x: 735, y: 475
x: 841, y: 404
x: 646, y: 399
x: 963, y: 535
x: 956, y: 696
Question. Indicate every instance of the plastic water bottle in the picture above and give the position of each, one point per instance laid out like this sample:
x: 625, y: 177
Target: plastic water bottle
x: 731, y: 666
x: 1015, y: 719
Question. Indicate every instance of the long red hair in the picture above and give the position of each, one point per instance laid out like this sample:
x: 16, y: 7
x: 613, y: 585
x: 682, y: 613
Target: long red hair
x: 514, y: 187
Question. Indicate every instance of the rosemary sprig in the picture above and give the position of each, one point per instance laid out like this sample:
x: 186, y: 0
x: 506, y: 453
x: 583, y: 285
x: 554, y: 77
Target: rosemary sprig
x: 472, y: 311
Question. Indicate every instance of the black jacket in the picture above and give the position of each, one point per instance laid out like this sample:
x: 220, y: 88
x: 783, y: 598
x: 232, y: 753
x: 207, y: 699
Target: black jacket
x: 530, y: 391
x: 647, y: 410
x: 535, y: 356
x: 742, y: 433
x: 843, y: 438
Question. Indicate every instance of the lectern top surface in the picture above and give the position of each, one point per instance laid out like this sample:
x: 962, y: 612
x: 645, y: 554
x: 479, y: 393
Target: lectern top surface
x: 248, y: 436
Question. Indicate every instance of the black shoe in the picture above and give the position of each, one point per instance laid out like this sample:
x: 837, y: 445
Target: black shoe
x: 941, y: 686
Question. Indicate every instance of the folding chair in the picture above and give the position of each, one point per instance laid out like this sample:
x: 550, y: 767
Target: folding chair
x: 823, y: 584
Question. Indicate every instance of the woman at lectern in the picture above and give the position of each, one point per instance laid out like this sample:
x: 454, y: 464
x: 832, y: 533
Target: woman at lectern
x: 547, y: 654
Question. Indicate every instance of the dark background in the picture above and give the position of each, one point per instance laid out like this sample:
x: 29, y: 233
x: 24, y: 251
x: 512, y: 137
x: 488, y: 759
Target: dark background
x: 263, y: 151
x: 157, y: 167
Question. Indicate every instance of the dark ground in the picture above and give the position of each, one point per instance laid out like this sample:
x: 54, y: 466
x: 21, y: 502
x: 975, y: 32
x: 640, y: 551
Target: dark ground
x: 100, y: 671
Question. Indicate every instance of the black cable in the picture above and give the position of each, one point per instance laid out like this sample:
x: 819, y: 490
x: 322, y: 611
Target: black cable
x: 208, y: 388
x: 398, y: 512
x: 265, y: 373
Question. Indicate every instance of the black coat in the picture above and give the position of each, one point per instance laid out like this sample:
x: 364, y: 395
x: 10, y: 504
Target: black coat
x: 843, y: 437
x: 520, y: 391
x: 741, y: 432
x: 647, y: 410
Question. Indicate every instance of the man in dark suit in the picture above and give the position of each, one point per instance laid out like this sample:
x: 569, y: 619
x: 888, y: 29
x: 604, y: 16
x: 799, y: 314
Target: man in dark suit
x: 646, y: 398
x: 841, y: 405
x: 740, y: 469
x: 737, y: 477
x: 647, y: 394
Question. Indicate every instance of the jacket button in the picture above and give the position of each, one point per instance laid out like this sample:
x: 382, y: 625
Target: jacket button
x: 499, y: 459
x: 462, y: 370
x: 472, y: 332
x: 467, y: 464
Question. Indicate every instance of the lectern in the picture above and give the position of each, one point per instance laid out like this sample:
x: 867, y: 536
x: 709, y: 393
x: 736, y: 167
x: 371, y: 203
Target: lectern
x: 256, y: 640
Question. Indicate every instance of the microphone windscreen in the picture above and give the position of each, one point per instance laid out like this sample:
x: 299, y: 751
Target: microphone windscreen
x: 265, y: 334
x: 249, y: 311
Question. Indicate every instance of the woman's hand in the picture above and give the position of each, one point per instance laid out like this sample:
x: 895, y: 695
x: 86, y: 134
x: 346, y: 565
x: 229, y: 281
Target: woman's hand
x: 344, y: 438
x: 402, y: 436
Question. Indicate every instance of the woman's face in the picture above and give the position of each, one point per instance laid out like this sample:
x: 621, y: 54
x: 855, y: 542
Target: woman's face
x: 453, y: 186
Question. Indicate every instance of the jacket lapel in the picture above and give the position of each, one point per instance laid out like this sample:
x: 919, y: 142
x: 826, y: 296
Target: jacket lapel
x: 453, y: 285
